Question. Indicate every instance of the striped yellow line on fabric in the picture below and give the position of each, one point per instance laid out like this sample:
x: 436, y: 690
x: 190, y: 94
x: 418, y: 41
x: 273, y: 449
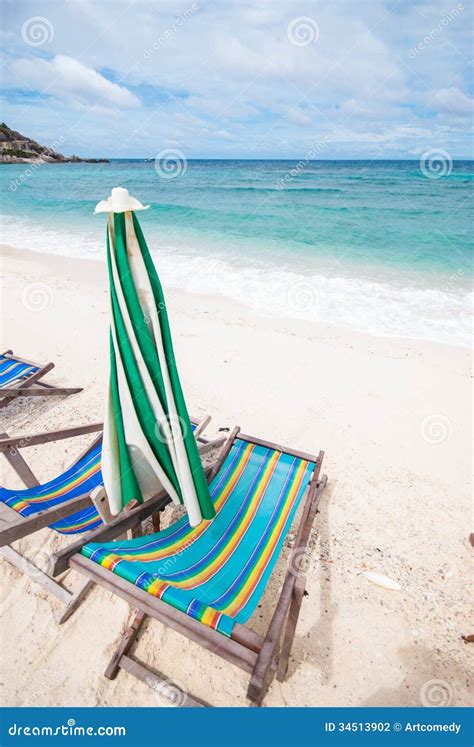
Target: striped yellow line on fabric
x: 20, y: 505
x: 157, y: 588
x: 192, y: 535
x: 226, y: 552
x: 73, y: 528
x: 210, y: 617
x: 241, y: 599
x: 69, y: 486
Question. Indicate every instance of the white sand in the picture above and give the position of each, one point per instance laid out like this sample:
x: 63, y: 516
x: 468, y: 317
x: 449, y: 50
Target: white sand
x: 393, y: 418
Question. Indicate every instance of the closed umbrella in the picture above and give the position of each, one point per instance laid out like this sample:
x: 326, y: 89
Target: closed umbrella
x: 148, y: 442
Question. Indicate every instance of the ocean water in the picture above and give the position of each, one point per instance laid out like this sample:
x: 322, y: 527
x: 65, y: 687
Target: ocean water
x: 379, y: 246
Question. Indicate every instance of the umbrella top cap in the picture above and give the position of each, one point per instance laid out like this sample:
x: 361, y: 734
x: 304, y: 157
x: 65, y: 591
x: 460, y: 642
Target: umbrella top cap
x: 120, y: 201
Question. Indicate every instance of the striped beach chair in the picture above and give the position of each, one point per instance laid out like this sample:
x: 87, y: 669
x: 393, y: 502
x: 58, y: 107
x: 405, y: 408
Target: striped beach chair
x: 17, y: 376
x: 207, y: 581
x: 63, y: 503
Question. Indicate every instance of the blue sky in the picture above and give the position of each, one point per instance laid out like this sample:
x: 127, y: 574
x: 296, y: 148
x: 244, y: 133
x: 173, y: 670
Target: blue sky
x: 240, y: 79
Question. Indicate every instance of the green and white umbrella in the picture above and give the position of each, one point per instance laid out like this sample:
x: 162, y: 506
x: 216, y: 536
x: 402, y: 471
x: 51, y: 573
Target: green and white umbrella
x: 148, y: 442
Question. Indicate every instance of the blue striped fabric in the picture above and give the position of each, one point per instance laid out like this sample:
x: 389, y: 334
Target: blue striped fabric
x: 217, y: 572
x: 13, y: 371
x: 77, y: 480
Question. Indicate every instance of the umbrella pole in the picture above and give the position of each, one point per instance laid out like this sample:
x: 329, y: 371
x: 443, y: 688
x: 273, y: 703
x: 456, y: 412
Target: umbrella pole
x: 155, y: 520
x: 137, y: 530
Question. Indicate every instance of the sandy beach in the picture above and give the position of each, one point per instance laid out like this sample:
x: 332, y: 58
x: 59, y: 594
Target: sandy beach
x: 391, y: 415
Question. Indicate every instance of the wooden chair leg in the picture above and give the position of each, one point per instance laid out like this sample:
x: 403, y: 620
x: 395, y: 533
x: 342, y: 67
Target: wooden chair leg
x: 125, y: 645
x: 260, y: 682
x: 269, y: 653
x: 135, y: 531
x: 156, y: 521
x: 138, y: 530
x: 36, y: 574
x: 163, y: 686
x: 74, y: 602
x: 71, y: 601
x: 289, y: 634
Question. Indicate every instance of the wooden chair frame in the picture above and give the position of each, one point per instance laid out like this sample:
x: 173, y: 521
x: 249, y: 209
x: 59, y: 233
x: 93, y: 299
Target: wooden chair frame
x: 260, y: 656
x: 24, y: 387
x: 13, y: 526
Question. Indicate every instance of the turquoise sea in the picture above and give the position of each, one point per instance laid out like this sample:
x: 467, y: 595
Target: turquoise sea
x: 378, y: 246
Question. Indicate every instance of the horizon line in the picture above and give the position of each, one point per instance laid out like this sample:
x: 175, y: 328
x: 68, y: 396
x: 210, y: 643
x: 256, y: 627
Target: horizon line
x: 240, y: 158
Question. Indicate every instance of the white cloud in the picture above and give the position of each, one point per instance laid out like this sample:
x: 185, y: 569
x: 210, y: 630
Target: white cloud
x: 224, y: 134
x: 228, y: 81
x: 298, y: 117
x: 455, y: 101
x: 65, y: 76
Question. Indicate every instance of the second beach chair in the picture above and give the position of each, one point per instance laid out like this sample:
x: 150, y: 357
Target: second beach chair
x: 63, y: 503
x: 21, y: 378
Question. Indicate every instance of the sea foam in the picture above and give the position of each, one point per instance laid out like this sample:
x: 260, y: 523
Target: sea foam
x: 435, y: 309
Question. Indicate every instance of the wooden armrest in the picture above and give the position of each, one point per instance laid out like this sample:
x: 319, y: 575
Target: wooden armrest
x: 20, y: 442
x: 59, y: 561
x: 22, y: 526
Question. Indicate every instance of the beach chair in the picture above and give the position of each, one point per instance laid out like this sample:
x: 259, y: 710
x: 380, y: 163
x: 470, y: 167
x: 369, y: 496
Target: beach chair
x: 17, y: 376
x: 63, y: 503
x: 206, y: 581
